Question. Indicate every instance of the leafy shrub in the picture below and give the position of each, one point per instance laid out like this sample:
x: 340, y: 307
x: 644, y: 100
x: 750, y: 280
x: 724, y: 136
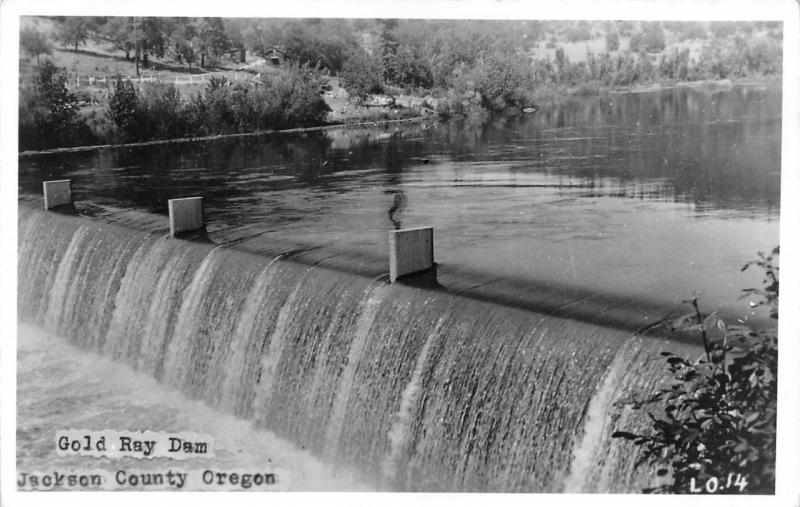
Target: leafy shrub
x: 404, y: 67
x: 123, y: 111
x: 497, y: 82
x: 293, y: 99
x: 83, y: 96
x: 362, y: 76
x: 460, y: 103
x: 675, y: 64
x: 718, y: 417
x: 763, y: 56
x: 289, y: 99
x: 161, y: 112
x: 212, y: 112
x: 48, y: 112
x: 503, y: 81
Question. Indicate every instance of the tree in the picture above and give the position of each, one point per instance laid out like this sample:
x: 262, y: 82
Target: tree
x: 763, y: 55
x: 675, y: 64
x: 403, y: 54
x: 714, y: 428
x: 362, y: 75
x: 152, y: 36
x: 653, y: 37
x: 48, y: 111
x: 235, y: 33
x: 502, y: 80
x: 119, y: 32
x: 212, y: 39
x: 325, y: 44
x: 74, y: 30
x: 455, y: 46
x: 259, y: 35
x: 294, y: 97
x: 612, y: 41
x: 184, y: 41
x: 123, y: 110
x: 34, y: 43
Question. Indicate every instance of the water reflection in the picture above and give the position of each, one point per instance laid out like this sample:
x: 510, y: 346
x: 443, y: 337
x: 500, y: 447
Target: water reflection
x: 716, y: 149
x: 601, y: 192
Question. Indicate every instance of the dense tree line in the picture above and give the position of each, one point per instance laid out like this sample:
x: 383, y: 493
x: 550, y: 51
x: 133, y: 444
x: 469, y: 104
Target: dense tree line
x: 186, y: 40
x: 413, y: 52
x: 432, y: 54
x: 467, y: 66
x: 206, y: 41
x: 158, y: 111
x: 49, y: 115
x: 478, y: 66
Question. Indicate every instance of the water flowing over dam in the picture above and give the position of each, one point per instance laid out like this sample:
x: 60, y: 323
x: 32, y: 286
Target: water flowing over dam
x: 418, y: 389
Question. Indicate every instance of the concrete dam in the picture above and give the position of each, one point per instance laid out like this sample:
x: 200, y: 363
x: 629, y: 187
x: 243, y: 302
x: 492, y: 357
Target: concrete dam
x: 416, y: 387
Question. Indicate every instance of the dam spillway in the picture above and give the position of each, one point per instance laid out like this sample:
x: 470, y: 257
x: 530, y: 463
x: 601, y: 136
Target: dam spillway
x: 418, y: 389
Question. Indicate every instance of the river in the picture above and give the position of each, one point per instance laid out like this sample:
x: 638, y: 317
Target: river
x: 649, y: 196
x: 557, y: 235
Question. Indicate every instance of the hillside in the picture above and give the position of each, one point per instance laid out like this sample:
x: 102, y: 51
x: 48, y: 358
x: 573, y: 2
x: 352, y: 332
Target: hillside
x: 372, y: 69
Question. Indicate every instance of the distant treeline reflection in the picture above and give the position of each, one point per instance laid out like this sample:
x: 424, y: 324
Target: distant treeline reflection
x: 713, y: 148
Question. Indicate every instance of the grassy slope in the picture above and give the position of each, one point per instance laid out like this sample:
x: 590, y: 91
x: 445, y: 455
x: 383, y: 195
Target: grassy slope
x: 98, y: 60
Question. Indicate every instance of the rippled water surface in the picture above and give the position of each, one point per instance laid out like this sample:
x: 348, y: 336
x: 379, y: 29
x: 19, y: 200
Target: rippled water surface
x: 645, y: 196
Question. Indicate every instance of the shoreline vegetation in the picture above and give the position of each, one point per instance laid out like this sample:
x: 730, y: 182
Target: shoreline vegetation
x: 375, y: 120
x: 318, y: 74
x: 331, y: 126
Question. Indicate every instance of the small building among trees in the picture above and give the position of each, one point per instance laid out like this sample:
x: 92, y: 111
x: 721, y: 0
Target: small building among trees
x: 237, y: 54
x: 276, y: 56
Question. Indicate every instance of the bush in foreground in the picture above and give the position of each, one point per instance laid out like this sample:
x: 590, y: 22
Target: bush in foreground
x: 714, y: 428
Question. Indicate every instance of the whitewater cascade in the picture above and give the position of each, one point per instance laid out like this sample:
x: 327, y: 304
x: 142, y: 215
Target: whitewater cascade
x: 419, y: 389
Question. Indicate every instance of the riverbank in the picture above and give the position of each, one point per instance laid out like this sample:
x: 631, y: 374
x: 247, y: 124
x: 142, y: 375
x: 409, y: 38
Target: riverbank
x: 331, y: 126
x: 551, y: 95
x: 705, y: 83
x: 401, y: 108
x: 543, y: 96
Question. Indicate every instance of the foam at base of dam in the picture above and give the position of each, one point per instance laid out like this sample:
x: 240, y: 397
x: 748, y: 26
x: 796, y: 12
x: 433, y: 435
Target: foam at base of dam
x: 419, y: 389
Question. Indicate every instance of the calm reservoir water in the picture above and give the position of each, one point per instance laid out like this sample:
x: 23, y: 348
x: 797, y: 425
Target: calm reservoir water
x: 624, y: 198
